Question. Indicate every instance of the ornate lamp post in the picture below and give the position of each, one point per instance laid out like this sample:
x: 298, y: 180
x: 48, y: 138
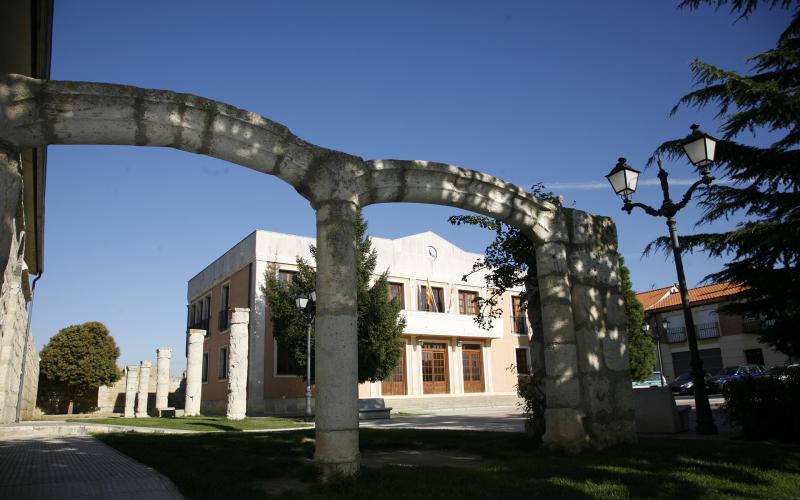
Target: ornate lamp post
x: 699, y: 147
x: 656, y: 336
x: 307, y: 307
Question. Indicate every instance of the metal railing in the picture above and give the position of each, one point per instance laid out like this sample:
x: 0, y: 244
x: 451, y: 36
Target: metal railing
x: 702, y: 331
x: 201, y: 324
x: 519, y: 324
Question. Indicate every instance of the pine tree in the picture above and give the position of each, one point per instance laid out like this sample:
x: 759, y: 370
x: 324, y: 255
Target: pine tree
x: 642, y: 351
x: 380, y: 325
x: 764, y: 249
x: 82, y: 357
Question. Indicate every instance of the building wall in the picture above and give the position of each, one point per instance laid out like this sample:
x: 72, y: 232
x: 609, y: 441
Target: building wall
x: 410, y: 262
x: 215, y: 389
x: 13, y: 313
x: 736, y: 336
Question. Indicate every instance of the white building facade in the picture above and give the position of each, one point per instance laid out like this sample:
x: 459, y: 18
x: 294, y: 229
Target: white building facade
x: 448, y: 360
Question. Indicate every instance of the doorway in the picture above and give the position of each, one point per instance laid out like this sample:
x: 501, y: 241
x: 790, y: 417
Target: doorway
x: 473, y: 367
x: 395, y: 384
x: 434, y: 368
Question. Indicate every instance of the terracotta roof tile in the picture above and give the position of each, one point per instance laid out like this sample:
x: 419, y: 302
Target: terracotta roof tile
x: 669, y: 297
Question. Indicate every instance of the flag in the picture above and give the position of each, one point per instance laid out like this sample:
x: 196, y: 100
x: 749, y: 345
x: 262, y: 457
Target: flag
x: 429, y: 297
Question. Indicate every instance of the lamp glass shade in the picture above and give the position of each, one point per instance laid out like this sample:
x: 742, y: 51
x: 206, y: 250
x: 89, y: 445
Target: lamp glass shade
x: 623, y: 178
x: 699, y: 147
x: 665, y: 325
x: 301, y: 302
x: 313, y: 296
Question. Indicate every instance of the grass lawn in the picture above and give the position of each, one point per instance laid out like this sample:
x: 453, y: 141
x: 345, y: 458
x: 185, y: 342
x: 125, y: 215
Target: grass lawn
x: 199, y: 423
x: 239, y: 465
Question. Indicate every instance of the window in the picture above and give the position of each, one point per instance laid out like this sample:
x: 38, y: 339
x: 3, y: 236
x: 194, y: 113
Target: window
x: 433, y: 301
x: 754, y: 356
x: 287, y: 276
x: 467, y: 302
x: 522, y: 361
x: 396, y: 292
x: 519, y: 322
x: 223, y: 308
x: 205, y: 367
x: 223, y: 363
x: 285, y: 364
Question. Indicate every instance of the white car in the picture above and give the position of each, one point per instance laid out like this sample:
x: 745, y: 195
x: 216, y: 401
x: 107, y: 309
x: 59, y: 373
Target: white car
x: 655, y: 380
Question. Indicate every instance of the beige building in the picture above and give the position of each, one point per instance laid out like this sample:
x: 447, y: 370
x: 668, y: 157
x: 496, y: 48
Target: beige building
x: 723, y: 339
x: 448, y: 360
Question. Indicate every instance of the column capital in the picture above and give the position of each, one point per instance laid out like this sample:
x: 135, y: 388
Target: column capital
x: 164, y: 352
x: 240, y: 315
x: 145, y: 364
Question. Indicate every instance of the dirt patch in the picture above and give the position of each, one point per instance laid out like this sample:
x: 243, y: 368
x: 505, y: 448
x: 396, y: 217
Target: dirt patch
x: 423, y: 458
x: 281, y: 486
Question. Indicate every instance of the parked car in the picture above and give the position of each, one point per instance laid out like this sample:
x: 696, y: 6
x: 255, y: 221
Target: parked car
x: 684, y: 384
x: 717, y: 382
x: 784, y: 371
x: 655, y: 380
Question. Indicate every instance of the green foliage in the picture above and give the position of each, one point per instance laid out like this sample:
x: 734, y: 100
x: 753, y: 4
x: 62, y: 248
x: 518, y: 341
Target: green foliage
x: 510, y: 261
x: 531, y: 389
x: 83, y: 357
x: 765, y: 407
x: 380, y: 326
x: 642, y: 351
x: 764, y: 249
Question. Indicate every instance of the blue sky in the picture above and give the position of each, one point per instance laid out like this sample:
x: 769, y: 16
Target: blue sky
x: 531, y: 92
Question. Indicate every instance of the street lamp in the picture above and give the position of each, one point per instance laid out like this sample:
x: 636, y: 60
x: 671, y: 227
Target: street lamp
x: 699, y: 148
x: 307, y: 308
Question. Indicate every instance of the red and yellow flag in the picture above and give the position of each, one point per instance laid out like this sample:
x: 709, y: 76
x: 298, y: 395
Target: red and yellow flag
x: 429, y: 297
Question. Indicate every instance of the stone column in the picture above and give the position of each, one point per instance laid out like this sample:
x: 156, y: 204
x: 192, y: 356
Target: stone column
x: 144, y: 389
x: 336, y: 341
x: 238, y: 348
x: 163, y: 355
x: 131, y: 386
x: 194, y: 372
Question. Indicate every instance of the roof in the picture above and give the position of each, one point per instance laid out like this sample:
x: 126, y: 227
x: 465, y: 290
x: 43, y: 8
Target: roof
x: 670, y: 298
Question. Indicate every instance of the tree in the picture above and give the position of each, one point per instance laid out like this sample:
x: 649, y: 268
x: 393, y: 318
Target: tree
x: 510, y: 262
x: 380, y: 325
x: 764, y: 249
x: 642, y: 351
x: 82, y: 357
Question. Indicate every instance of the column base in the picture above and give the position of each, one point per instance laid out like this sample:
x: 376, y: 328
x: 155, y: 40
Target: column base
x: 331, y: 471
x: 142, y: 415
x: 337, y: 453
x: 236, y: 416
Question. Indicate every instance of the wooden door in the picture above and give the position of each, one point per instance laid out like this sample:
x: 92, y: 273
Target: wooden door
x: 395, y: 384
x: 434, y: 368
x: 473, y: 368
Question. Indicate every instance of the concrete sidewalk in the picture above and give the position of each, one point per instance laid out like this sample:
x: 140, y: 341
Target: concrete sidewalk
x: 76, y: 467
x: 508, y: 419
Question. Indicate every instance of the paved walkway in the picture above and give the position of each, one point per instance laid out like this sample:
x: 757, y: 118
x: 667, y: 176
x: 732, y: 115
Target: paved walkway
x: 491, y: 419
x: 75, y: 467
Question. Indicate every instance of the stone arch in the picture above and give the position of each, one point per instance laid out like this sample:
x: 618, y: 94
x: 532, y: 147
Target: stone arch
x: 583, y: 338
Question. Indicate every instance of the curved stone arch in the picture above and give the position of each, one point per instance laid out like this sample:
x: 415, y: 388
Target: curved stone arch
x: 37, y: 113
x: 582, y: 341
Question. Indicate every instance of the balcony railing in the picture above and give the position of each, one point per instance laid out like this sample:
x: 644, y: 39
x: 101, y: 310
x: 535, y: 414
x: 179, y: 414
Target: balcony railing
x: 201, y: 324
x: 519, y: 324
x: 702, y: 331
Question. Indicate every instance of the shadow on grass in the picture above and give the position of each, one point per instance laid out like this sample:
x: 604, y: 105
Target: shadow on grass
x: 226, y: 428
x: 515, y: 466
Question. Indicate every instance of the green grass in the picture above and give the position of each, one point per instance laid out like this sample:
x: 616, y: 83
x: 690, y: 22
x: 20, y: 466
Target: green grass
x: 199, y: 423
x: 515, y: 467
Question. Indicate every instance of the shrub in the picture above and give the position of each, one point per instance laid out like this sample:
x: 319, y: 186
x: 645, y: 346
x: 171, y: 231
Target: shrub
x: 767, y: 407
x: 531, y: 389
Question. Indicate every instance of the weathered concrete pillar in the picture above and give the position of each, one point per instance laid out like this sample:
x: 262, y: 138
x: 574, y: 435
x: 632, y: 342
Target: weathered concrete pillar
x: 336, y: 341
x: 194, y: 372
x: 144, y: 389
x: 163, y: 355
x: 238, y: 349
x: 131, y: 386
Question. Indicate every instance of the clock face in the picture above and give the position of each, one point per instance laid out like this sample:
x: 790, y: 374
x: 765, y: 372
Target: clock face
x: 432, y: 253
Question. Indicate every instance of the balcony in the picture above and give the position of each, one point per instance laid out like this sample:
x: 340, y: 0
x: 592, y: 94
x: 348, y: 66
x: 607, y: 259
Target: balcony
x: 432, y: 324
x: 702, y: 331
x: 519, y: 325
x: 201, y: 324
